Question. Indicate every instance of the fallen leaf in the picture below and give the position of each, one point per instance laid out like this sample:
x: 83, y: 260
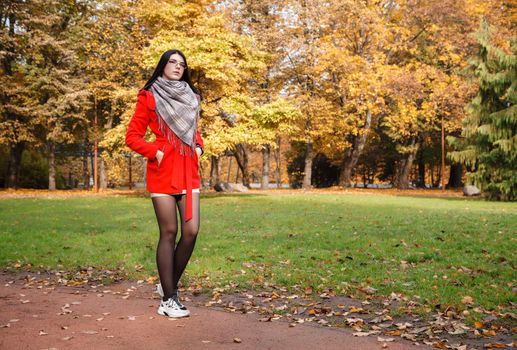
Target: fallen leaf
x: 457, y: 331
x: 395, y: 333
x: 205, y: 341
x: 370, y: 290
x: 385, y: 339
x: 489, y: 333
x: 42, y: 333
x: 439, y: 345
x: 237, y: 340
x: 495, y: 346
x: 353, y: 321
x: 408, y: 336
x: 354, y: 309
x: 67, y: 338
x: 418, y: 330
x: 404, y: 325
x: 89, y: 332
x: 361, y: 334
x: 467, y: 300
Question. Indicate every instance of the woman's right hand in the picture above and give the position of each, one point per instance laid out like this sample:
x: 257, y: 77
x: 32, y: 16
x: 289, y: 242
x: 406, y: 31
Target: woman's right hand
x: 159, y: 156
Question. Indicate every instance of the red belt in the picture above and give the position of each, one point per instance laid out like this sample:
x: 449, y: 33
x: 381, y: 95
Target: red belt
x: 188, y: 182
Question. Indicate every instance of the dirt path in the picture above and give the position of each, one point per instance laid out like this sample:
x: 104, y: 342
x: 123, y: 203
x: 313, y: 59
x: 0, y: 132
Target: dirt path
x: 123, y: 316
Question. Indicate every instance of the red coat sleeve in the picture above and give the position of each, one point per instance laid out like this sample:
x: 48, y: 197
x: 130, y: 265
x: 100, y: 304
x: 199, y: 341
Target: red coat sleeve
x: 137, y: 128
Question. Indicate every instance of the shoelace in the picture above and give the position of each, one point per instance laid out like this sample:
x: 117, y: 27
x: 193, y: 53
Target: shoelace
x: 172, y: 303
x: 177, y: 301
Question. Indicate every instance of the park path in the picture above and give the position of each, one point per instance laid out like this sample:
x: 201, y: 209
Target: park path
x: 123, y: 316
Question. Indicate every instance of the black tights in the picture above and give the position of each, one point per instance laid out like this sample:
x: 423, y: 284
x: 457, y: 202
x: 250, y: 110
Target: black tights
x: 172, y: 258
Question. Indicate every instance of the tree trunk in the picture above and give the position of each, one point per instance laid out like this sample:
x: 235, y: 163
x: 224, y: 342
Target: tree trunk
x: 431, y: 167
x: 86, y: 173
x: 438, y: 179
x: 69, y: 181
x: 241, y: 155
x: 266, y: 151
x: 51, y: 165
x: 307, y: 172
x: 421, y: 171
x: 14, y: 165
x: 402, y: 179
x: 277, y: 161
x: 456, y: 173
x: 103, y: 177
x: 92, y: 167
x: 201, y: 178
x: 229, y: 168
x: 352, y: 156
x: 214, y: 170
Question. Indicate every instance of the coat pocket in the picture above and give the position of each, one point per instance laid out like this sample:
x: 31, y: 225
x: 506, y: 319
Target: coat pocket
x: 160, y: 164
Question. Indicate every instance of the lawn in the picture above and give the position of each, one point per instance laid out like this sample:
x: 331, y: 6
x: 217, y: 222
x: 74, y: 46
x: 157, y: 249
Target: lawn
x: 434, y: 249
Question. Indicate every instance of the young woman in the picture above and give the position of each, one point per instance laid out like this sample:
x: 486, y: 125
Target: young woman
x: 169, y: 105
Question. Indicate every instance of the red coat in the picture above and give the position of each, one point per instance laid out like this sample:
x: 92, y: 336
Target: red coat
x: 176, y: 172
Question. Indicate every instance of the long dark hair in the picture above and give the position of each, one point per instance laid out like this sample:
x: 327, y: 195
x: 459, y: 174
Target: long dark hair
x: 158, y: 71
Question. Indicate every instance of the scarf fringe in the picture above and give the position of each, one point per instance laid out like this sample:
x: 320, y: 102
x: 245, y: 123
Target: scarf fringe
x: 175, y: 141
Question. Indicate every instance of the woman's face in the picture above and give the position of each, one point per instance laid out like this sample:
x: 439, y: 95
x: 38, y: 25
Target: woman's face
x: 174, y: 68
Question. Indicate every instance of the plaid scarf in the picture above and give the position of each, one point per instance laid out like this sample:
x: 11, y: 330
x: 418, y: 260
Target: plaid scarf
x: 177, y: 108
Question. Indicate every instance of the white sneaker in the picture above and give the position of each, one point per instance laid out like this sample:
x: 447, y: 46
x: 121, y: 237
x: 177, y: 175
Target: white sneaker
x: 176, y: 297
x: 159, y: 289
x: 171, y: 309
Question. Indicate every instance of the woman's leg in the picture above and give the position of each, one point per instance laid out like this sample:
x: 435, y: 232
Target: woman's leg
x: 187, y: 241
x: 165, y: 210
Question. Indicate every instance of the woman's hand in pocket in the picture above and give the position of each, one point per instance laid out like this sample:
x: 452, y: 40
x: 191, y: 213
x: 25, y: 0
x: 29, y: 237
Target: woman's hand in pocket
x: 159, y: 156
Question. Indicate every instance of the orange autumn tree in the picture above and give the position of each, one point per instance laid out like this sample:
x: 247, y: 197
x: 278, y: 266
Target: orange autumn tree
x: 221, y: 61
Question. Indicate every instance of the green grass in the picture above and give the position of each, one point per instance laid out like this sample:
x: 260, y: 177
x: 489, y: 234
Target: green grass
x: 342, y: 242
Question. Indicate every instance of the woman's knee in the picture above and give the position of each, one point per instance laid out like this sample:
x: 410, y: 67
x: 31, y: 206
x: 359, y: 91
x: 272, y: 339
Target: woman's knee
x: 169, y: 233
x: 190, y: 232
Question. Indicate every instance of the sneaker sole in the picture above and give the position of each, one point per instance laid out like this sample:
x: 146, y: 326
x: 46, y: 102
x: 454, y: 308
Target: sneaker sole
x: 163, y: 313
x: 159, y: 290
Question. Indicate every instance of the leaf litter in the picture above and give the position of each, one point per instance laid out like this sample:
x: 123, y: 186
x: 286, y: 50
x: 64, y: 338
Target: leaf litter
x: 441, y: 328
x: 366, y: 313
